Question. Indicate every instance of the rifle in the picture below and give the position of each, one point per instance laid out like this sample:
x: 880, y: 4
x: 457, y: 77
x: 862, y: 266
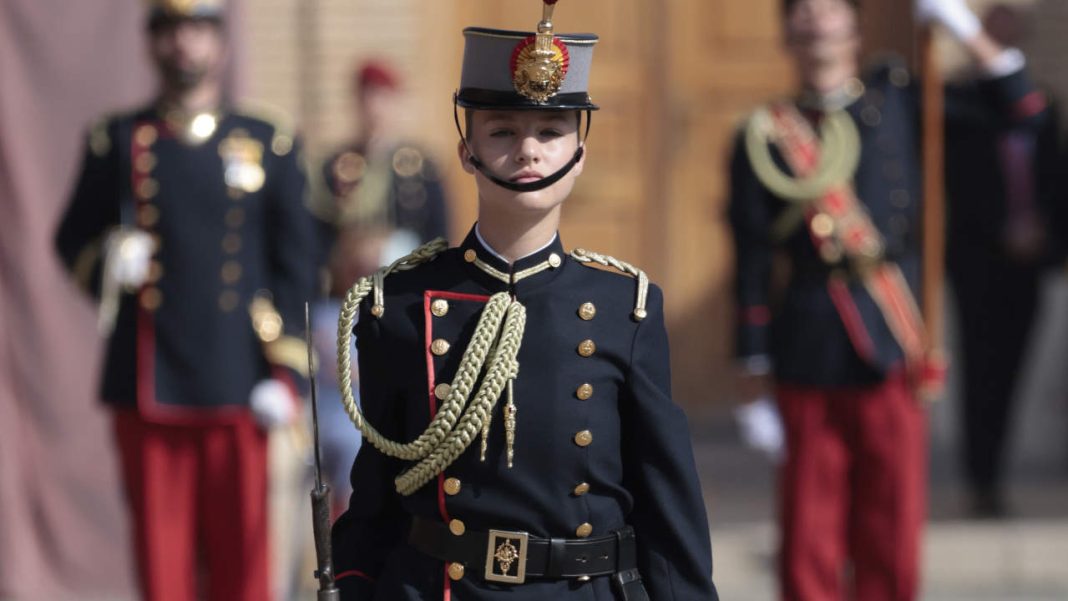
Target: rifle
x: 320, y: 494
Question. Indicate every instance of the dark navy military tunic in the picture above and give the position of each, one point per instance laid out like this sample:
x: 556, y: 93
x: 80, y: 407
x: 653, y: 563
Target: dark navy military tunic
x: 599, y: 441
x: 799, y: 327
x: 229, y: 220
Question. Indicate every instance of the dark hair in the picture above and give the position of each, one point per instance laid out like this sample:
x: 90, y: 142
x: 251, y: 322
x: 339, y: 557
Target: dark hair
x: 788, y: 5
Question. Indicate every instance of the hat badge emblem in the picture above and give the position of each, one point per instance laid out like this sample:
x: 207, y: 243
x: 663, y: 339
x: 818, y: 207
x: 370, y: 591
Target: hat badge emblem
x: 539, y: 63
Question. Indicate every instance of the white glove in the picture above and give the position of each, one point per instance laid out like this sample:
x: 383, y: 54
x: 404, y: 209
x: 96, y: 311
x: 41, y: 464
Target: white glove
x: 272, y: 404
x: 761, y: 427
x: 129, y: 253
x: 954, y: 15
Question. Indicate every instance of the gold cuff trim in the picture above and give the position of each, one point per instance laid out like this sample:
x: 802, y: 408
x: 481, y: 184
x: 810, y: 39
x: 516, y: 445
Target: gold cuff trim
x: 291, y: 352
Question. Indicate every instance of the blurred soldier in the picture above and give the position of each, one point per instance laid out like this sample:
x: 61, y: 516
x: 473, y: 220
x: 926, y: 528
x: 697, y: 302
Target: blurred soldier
x: 379, y: 197
x: 825, y: 194
x: 188, y: 223
x: 1002, y: 183
x: 540, y: 455
x: 379, y: 180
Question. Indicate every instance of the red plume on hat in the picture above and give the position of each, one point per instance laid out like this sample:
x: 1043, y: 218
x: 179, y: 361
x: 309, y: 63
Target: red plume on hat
x: 376, y: 74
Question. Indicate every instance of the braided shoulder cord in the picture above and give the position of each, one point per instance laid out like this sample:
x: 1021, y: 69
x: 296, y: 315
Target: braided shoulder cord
x: 839, y: 156
x: 443, y: 441
x: 585, y: 256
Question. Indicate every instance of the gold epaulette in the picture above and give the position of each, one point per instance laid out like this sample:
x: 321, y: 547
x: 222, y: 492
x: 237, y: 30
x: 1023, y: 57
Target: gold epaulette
x: 376, y: 281
x: 284, y: 131
x: 588, y: 258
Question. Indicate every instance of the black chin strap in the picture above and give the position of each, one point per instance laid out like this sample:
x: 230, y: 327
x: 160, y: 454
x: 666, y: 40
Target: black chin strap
x: 533, y: 186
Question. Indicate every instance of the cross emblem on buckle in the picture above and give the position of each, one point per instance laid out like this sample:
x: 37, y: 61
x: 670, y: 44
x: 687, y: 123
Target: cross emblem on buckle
x: 506, y: 557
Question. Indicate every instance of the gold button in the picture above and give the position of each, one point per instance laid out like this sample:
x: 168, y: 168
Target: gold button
x: 586, y: 348
x: 452, y: 486
x: 584, y: 438
x: 147, y: 216
x: 822, y: 225
x: 151, y: 299
x: 235, y: 217
x: 145, y: 162
x: 378, y: 310
x: 439, y: 347
x: 457, y: 527
x: 581, y: 489
x: 587, y: 311
x: 585, y: 529
x: 228, y: 300
x: 147, y: 188
x: 442, y: 391
x: 456, y: 570
x: 231, y: 243
x: 555, y: 260
x: 231, y: 272
x: 640, y: 314
x: 439, y: 307
x: 584, y: 392
x: 155, y: 271
x: 470, y: 255
x: 146, y: 135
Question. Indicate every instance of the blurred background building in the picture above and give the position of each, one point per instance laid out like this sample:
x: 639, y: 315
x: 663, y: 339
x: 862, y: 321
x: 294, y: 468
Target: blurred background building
x: 677, y: 75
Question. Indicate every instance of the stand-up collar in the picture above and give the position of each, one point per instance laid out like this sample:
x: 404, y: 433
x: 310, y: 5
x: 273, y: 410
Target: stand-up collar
x: 532, y: 269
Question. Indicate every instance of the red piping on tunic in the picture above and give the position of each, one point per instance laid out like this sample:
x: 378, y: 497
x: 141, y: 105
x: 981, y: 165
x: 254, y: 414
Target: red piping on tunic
x: 428, y: 320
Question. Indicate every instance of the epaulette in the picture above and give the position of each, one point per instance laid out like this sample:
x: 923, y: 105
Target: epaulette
x: 588, y: 258
x: 375, y: 283
x: 284, y: 131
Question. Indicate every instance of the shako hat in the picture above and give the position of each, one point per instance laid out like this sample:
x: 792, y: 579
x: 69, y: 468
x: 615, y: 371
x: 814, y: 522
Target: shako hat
x: 516, y: 70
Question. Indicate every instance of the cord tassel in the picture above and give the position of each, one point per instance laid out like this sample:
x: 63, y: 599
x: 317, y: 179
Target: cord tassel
x: 510, y: 411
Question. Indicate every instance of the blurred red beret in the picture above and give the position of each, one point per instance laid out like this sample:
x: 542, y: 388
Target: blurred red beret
x: 375, y: 73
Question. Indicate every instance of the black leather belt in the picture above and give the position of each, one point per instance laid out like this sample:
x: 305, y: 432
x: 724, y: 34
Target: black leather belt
x: 512, y: 557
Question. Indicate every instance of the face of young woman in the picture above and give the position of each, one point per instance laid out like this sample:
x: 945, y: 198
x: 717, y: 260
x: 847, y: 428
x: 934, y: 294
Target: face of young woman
x: 523, y: 147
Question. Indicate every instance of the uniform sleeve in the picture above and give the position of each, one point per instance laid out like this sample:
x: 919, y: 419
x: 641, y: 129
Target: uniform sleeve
x: 374, y: 522
x: 292, y: 257
x: 750, y: 219
x: 674, y: 553
x: 1017, y: 99
x: 92, y: 211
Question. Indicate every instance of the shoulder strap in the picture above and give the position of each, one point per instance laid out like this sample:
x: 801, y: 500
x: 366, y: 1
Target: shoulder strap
x: 587, y: 257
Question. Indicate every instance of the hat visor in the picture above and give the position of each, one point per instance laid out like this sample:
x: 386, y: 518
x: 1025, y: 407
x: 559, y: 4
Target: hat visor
x: 496, y: 100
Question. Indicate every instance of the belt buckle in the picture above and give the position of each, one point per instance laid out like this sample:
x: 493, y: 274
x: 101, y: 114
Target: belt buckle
x: 506, y: 557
